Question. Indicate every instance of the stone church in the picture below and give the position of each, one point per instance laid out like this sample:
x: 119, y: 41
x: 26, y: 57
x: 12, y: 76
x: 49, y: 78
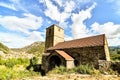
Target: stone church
x: 59, y: 52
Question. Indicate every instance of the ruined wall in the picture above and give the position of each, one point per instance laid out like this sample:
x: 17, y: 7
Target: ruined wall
x: 104, y: 65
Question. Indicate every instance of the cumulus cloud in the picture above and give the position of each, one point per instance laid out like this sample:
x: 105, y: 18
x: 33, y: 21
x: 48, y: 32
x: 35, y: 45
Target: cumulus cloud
x: 17, y: 41
x: 111, y: 30
x: 13, y: 41
x: 54, y: 13
x: 29, y: 22
x: 79, y: 28
x: 36, y: 36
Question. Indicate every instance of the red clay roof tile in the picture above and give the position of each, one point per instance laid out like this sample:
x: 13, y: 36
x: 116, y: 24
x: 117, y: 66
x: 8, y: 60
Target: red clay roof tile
x: 64, y: 55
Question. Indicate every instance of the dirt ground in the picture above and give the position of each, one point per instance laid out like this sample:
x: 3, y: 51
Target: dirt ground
x: 74, y: 77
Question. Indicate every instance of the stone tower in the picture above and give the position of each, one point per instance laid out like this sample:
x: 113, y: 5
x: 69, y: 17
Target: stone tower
x: 54, y: 35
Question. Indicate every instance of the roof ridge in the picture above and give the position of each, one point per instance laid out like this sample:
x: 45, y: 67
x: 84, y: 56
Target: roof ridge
x: 84, y: 38
x: 82, y: 42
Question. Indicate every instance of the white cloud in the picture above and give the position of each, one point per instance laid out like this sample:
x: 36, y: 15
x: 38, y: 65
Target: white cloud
x: 10, y: 6
x: 79, y: 28
x: 36, y: 36
x: 17, y: 41
x: 53, y: 12
x: 29, y: 22
x: 111, y: 30
x: 24, y: 25
x: 69, y: 6
x: 19, y: 5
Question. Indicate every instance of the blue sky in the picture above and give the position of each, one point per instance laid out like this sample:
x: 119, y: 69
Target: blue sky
x: 23, y: 22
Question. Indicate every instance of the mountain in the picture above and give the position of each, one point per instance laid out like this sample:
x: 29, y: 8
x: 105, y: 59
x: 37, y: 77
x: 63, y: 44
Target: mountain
x: 37, y: 48
x: 4, y: 48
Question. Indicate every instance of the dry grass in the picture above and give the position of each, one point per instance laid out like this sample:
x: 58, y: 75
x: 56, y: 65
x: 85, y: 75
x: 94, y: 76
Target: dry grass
x: 74, y: 77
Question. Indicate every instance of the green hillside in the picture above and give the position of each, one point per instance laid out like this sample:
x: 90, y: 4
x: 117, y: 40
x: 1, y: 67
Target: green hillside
x: 4, y: 48
x: 37, y: 48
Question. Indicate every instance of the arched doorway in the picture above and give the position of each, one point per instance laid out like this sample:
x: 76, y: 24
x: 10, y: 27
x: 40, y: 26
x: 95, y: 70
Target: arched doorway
x: 54, y: 61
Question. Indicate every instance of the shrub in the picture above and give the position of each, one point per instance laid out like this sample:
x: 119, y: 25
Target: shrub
x: 13, y: 61
x: 10, y: 73
x: 84, y: 69
x: 59, y: 70
x: 1, y: 61
x: 115, y: 56
x: 33, y: 61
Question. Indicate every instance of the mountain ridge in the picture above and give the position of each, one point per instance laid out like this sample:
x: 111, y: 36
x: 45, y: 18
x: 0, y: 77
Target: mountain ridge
x: 4, y: 48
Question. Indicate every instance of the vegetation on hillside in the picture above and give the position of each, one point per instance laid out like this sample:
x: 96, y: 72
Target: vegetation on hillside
x: 4, y: 48
x: 37, y: 48
x: 13, y: 68
x: 114, y: 53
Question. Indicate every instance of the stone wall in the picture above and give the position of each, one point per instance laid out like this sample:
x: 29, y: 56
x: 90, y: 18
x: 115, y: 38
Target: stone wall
x: 104, y: 65
x: 88, y: 55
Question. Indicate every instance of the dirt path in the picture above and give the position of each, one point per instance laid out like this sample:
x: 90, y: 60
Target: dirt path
x: 74, y: 77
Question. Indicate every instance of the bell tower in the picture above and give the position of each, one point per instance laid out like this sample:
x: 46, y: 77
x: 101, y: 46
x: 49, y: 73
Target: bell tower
x: 54, y: 35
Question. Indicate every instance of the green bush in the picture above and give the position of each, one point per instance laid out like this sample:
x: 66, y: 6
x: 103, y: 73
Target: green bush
x: 115, y: 56
x: 1, y: 61
x: 9, y: 73
x: 59, y: 70
x: 82, y: 69
x: 85, y: 69
x: 34, y: 61
x: 13, y: 61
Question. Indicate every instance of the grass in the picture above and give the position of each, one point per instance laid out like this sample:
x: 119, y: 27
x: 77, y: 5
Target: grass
x: 82, y: 69
x: 11, y: 73
x: 15, y: 68
x: 13, y: 61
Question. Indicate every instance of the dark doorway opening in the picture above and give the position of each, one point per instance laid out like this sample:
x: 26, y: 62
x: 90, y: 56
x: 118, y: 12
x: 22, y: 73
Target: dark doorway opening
x: 54, y: 61
x: 76, y: 62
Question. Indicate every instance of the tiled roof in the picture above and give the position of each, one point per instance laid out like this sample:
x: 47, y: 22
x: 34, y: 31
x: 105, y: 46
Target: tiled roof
x: 98, y: 40
x: 64, y: 55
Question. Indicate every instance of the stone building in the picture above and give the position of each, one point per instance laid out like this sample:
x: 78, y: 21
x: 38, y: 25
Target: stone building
x: 72, y: 53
